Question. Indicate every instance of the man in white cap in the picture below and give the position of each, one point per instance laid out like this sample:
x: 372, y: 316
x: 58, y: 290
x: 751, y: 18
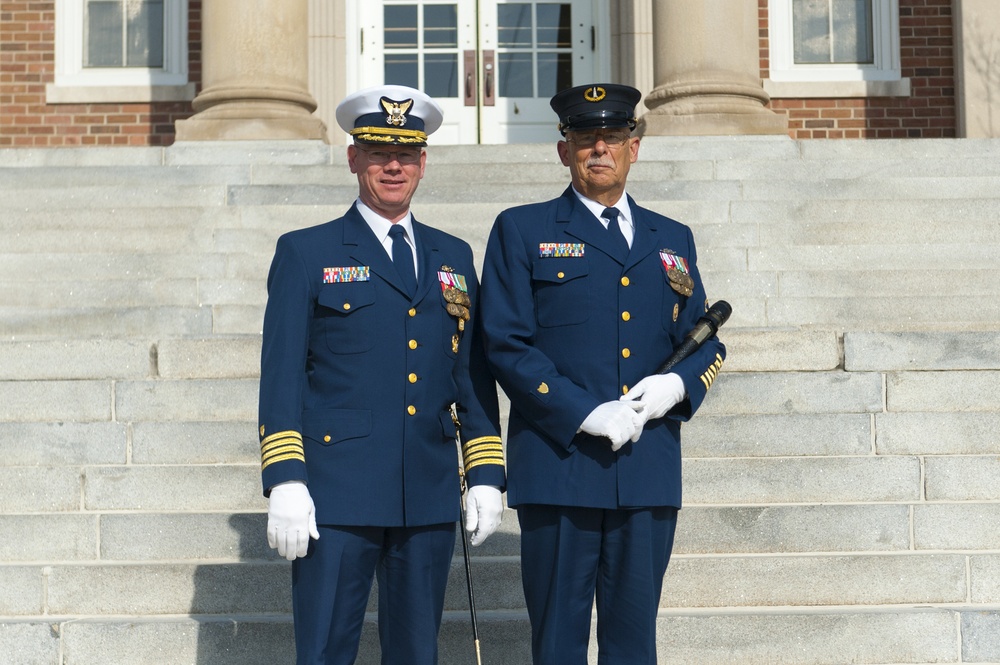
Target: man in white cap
x: 369, y: 338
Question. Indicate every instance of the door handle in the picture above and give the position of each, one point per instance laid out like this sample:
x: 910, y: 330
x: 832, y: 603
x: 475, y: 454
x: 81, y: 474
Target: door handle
x: 470, y: 78
x: 489, y: 97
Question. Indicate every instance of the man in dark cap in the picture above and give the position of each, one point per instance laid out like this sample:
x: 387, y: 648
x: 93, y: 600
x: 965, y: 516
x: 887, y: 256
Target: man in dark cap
x: 583, y: 298
x: 369, y: 338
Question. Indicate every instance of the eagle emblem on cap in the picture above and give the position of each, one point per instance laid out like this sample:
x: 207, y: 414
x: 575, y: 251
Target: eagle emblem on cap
x: 397, y: 110
x: 595, y: 94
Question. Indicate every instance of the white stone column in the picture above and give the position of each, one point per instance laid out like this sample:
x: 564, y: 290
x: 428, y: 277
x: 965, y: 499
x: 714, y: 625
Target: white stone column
x: 327, y: 58
x: 254, y: 73
x: 977, y: 30
x: 707, y: 71
x: 632, y: 45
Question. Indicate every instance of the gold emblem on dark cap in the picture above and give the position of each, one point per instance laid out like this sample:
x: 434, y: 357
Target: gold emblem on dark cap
x: 680, y: 282
x: 397, y: 110
x: 595, y: 93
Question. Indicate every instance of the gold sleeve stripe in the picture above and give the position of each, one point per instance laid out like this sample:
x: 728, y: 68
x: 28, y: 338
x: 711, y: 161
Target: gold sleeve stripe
x: 485, y: 454
x: 482, y: 462
x: 281, y: 443
x: 283, y: 458
x: 281, y: 446
x: 482, y: 439
x: 278, y: 443
x: 483, y: 457
x: 483, y: 442
x: 470, y: 450
x: 287, y: 434
x: 282, y: 450
x: 708, y: 378
x: 482, y: 451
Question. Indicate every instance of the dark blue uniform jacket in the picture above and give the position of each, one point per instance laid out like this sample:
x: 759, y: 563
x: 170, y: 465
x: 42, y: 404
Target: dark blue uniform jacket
x: 357, y: 378
x: 567, y: 327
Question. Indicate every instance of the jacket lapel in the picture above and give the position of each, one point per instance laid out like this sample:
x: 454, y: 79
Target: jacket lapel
x: 644, y: 238
x: 365, y: 248
x: 581, y: 223
x: 427, y: 258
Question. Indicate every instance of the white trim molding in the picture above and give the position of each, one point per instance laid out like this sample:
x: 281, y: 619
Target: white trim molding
x: 881, y: 78
x: 75, y: 83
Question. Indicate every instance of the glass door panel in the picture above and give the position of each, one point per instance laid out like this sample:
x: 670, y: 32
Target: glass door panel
x: 493, y: 65
x: 541, y: 48
x: 421, y: 48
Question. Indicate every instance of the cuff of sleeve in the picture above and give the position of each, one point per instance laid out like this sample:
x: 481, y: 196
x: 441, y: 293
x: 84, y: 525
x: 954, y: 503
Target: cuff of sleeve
x: 697, y: 386
x: 481, y: 451
x: 282, y: 458
x: 483, y: 460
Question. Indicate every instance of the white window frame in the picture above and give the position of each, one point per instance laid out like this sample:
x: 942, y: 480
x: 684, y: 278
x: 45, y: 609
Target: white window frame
x: 882, y: 78
x: 75, y: 83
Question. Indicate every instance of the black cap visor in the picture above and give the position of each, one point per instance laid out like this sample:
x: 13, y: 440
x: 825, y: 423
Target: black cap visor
x: 597, y: 120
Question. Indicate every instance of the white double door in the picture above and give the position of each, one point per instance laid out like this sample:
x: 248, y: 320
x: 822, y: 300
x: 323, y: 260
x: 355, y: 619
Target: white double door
x: 493, y: 65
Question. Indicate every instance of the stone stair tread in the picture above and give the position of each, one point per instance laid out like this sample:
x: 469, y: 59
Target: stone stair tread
x: 852, y: 428
x: 112, y: 196
x: 106, y: 322
x: 59, y: 178
x: 123, y: 218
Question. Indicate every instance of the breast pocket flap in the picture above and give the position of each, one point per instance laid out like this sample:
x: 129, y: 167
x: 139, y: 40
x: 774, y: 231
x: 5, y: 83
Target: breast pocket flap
x: 559, y: 271
x: 348, y: 297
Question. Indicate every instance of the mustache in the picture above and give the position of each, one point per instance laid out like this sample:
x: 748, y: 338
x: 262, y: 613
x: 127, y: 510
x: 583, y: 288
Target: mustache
x: 600, y: 161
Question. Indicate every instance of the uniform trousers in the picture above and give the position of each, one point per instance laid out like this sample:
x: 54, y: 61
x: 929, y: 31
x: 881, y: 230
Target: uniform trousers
x: 331, y: 586
x: 568, y: 554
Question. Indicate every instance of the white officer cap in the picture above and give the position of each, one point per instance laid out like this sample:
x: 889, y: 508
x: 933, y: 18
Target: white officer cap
x: 389, y: 115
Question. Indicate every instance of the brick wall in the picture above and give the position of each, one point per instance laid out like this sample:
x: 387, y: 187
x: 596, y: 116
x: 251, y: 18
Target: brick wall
x: 27, y: 63
x: 27, y: 58
x: 927, y: 59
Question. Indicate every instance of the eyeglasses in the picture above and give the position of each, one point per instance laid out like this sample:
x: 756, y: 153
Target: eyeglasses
x: 612, y: 138
x: 382, y: 157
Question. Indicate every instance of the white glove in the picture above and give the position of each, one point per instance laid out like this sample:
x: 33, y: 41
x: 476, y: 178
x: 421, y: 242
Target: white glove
x: 618, y: 421
x: 657, y: 393
x: 483, y: 511
x: 291, y: 519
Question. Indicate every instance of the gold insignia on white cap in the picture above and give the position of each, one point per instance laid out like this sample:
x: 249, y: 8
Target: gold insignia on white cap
x: 389, y: 114
x: 396, y: 110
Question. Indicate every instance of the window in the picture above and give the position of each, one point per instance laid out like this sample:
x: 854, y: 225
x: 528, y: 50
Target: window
x: 535, y: 49
x: 832, y: 32
x: 120, y: 33
x: 831, y: 48
x: 120, y: 51
x: 426, y: 34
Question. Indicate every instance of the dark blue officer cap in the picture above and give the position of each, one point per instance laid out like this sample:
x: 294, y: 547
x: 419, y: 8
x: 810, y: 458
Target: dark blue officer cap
x: 595, y: 106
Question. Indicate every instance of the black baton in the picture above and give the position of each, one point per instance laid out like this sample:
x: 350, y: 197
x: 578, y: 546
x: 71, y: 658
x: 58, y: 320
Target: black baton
x: 707, y: 326
x: 465, y: 538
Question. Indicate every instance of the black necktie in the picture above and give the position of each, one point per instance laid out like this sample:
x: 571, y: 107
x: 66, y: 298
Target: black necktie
x: 402, y: 258
x: 615, y: 231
